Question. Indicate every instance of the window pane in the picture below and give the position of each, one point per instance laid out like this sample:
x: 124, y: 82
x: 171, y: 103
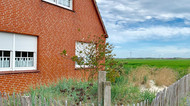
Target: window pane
x: 0, y: 53
x: 24, y: 59
x: 24, y: 54
x: 30, y: 62
x: 6, y: 62
x: 5, y: 59
x: 18, y: 54
x: 30, y: 54
x: 6, y: 53
x: 64, y: 2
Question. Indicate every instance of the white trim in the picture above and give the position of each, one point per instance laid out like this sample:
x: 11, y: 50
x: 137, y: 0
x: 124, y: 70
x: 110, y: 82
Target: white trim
x: 13, y: 54
x: 24, y: 68
x: 35, y: 60
x: 5, y: 69
x: 56, y: 3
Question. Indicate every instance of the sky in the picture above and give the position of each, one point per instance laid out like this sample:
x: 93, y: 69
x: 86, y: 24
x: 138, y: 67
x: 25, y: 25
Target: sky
x: 147, y: 28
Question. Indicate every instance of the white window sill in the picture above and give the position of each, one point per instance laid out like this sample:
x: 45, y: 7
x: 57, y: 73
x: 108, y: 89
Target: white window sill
x: 17, y: 69
x: 82, y: 67
x: 5, y: 69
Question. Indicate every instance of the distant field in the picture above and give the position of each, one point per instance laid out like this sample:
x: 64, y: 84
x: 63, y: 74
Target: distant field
x: 179, y: 65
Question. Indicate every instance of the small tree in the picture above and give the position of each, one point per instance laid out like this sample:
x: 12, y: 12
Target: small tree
x: 96, y: 56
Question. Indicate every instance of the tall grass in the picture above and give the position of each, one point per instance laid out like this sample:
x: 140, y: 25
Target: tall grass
x: 143, y: 74
x: 75, y: 91
x: 124, y: 92
x: 181, y: 66
x: 67, y: 89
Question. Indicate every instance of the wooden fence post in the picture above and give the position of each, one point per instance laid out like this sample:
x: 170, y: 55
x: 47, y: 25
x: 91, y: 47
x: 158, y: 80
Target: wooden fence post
x: 25, y: 101
x: 106, y: 93
x: 101, y: 78
x: 1, y: 99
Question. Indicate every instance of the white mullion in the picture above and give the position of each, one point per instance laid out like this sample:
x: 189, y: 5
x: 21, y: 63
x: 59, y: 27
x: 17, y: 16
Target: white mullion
x: 27, y: 59
x: 13, y: 54
x: 20, y: 63
x: 10, y: 59
x: 2, y: 58
x: 35, y: 54
x: 56, y: 1
x: 71, y: 4
x: 35, y: 59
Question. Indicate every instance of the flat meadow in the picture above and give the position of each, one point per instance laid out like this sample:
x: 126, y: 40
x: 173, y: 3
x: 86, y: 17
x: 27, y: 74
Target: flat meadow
x: 181, y: 66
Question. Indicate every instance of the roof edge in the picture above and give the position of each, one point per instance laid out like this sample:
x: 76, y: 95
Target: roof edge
x: 100, y: 18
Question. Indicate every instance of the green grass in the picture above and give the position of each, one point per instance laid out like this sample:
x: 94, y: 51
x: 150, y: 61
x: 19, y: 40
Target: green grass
x: 71, y: 90
x: 170, y: 63
x: 76, y: 91
x: 179, y: 65
x: 123, y: 91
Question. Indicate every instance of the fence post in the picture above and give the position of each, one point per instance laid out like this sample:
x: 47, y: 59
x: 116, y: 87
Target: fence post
x: 101, y: 78
x: 106, y: 93
x: 1, y: 100
x: 25, y: 101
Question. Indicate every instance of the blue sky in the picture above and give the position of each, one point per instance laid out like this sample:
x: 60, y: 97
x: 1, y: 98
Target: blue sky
x: 147, y: 28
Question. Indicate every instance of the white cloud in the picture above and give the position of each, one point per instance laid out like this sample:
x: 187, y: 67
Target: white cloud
x: 187, y: 22
x: 122, y: 18
x: 139, y: 10
x: 171, y: 50
x: 151, y: 33
x: 117, y: 14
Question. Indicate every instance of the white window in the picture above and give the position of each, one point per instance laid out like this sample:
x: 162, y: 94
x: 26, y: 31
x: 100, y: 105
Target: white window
x: 84, y: 50
x: 62, y: 3
x: 17, y: 52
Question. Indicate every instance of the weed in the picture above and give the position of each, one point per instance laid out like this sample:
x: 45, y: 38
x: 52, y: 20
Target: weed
x: 145, y: 80
x: 71, y: 90
x: 165, y: 76
x: 143, y: 74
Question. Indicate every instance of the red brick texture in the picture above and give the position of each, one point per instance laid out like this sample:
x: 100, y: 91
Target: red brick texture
x: 56, y: 28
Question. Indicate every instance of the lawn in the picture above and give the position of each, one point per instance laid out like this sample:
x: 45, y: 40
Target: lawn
x: 181, y: 66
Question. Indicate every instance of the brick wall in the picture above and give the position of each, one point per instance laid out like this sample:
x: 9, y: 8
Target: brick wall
x: 56, y: 28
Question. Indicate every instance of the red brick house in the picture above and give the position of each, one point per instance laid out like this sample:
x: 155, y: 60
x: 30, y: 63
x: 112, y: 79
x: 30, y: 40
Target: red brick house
x: 33, y: 33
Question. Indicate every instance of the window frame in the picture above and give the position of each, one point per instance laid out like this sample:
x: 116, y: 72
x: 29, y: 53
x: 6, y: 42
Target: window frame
x: 13, y: 56
x: 56, y: 3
